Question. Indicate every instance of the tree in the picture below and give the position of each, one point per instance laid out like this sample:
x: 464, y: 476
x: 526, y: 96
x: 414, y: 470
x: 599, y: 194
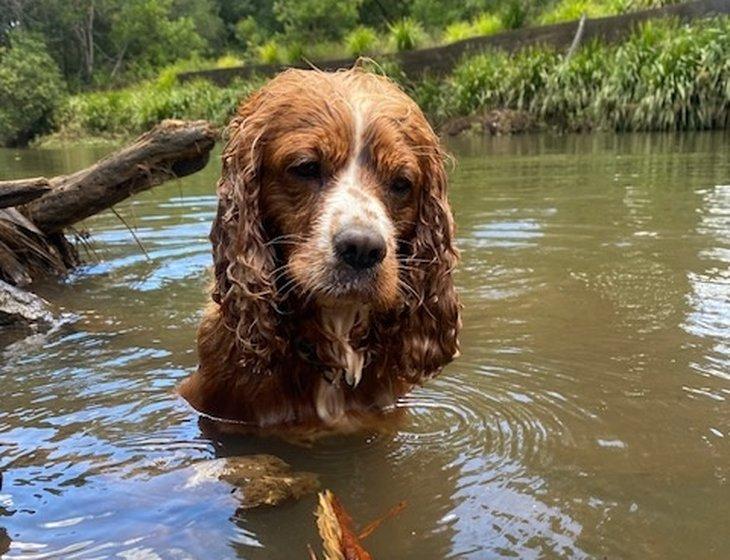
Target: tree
x: 317, y: 19
x: 30, y: 88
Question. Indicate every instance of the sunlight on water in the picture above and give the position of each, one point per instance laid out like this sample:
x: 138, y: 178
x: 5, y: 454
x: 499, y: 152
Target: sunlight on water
x: 587, y: 417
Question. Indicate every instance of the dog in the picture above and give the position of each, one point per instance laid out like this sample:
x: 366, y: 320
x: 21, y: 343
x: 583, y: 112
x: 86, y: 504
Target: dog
x: 333, y: 248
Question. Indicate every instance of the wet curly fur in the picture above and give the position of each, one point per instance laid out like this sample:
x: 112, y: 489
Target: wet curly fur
x: 288, y: 340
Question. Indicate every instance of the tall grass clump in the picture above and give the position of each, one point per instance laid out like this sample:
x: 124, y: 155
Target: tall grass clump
x: 569, y: 10
x: 133, y: 110
x: 485, y: 24
x: 361, y: 41
x: 271, y: 53
x: 669, y: 76
x: 406, y: 34
x: 665, y: 76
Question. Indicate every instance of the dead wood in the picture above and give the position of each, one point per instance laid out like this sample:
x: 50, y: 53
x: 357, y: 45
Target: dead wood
x: 13, y: 193
x: 34, y: 212
x: 32, y: 242
x: 171, y: 149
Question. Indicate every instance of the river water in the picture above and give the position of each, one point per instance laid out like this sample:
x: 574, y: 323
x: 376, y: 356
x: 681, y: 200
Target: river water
x: 587, y: 418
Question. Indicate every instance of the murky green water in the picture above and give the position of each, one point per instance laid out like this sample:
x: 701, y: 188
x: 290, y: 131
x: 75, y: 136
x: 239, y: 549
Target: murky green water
x: 588, y: 416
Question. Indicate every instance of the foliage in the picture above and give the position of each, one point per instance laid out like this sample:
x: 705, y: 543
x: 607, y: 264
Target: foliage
x: 437, y: 13
x: 132, y: 110
x: 515, y: 14
x: 317, y: 19
x: 271, y: 53
x: 30, y: 89
x: 406, y: 34
x: 569, y: 10
x: 144, y: 32
x: 485, y: 24
x: 666, y: 76
x: 361, y: 41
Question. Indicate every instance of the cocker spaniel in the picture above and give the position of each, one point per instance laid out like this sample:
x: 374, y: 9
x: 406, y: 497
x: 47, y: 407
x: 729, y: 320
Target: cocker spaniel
x: 333, y: 248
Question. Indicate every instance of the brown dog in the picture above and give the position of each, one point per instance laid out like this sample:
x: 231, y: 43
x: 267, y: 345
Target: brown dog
x: 334, y: 249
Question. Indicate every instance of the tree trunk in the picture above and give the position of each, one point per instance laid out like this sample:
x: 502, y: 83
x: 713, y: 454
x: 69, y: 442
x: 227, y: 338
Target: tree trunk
x: 32, y: 243
x: 13, y: 193
x: 171, y: 149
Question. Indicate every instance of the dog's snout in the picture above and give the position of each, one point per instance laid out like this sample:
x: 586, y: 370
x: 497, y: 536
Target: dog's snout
x: 360, y: 248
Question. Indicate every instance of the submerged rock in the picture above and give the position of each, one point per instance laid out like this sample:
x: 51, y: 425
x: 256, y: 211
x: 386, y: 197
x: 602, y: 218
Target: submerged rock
x: 21, y: 308
x: 259, y: 479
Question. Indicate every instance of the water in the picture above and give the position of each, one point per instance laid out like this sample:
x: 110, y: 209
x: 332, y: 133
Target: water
x: 588, y: 416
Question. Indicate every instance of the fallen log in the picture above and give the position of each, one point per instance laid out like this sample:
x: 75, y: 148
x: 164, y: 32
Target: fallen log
x: 171, y: 149
x: 32, y: 242
x: 35, y: 212
x: 13, y: 193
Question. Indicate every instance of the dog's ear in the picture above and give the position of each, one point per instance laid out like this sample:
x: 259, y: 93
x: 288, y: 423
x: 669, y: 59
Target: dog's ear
x: 429, y: 330
x: 244, y: 264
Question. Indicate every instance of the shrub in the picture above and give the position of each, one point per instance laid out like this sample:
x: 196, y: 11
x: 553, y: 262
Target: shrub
x: 569, y: 10
x: 406, y: 34
x: 458, y: 31
x: 294, y: 52
x: 228, y: 61
x: 270, y: 53
x: 487, y: 24
x: 134, y: 110
x: 310, y: 20
x: 30, y: 89
x: 361, y: 41
x: 515, y: 14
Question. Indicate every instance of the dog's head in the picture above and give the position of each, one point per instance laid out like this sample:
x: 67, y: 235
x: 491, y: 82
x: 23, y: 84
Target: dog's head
x: 333, y: 193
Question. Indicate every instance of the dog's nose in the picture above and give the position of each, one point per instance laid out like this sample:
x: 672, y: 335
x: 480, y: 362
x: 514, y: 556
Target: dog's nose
x: 360, y: 248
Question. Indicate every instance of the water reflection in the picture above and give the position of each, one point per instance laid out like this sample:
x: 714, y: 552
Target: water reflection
x: 587, y: 417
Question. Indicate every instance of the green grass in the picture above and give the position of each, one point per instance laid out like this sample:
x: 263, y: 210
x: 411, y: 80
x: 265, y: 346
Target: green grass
x: 133, y: 110
x: 406, y: 34
x: 361, y: 41
x: 665, y: 76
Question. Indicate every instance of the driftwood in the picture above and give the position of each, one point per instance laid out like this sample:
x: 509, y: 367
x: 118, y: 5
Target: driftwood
x: 13, y: 193
x: 35, y: 212
x: 171, y: 149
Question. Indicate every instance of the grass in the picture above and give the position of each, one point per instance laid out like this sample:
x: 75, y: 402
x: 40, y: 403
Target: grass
x: 361, y: 41
x: 406, y: 34
x: 130, y: 111
x: 665, y: 76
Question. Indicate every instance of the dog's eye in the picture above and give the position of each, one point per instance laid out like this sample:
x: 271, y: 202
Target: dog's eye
x: 308, y: 171
x: 401, y: 186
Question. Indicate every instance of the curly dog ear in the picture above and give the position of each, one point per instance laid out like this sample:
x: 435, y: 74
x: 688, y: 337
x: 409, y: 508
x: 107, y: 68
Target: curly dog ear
x: 244, y: 264
x: 430, y: 326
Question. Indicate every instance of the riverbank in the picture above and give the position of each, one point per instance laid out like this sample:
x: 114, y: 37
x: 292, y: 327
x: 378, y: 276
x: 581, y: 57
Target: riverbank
x: 666, y: 76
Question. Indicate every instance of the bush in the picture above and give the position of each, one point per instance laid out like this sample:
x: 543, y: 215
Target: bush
x: 270, y: 53
x: 30, y: 89
x: 406, y: 34
x: 665, y: 76
x: 570, y: 10
x: 361, y: 41
x: 309, y: 20
x: 458, y: 31
x: 485, y: 24
x: 515, y: 14
x: 133, y: 110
